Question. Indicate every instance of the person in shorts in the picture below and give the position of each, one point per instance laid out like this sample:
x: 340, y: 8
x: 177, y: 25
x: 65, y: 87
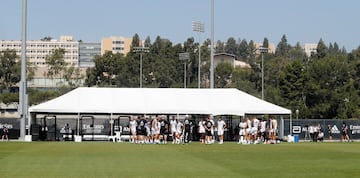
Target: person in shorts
x: 208, y: 131
x: 5, y: 133
x: 221, y: 125
x: 242, y: 131
x: 133, y: 126
x: 201, y: 131
x: 164, y: 129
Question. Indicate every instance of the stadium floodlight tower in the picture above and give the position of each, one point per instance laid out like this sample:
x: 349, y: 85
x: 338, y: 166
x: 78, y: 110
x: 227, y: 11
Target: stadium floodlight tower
x: 184, y: 57
x: 200, y: 28
x: 141, y: 50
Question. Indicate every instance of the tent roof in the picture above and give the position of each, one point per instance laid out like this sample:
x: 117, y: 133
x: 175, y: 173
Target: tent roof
x: 158, y: 101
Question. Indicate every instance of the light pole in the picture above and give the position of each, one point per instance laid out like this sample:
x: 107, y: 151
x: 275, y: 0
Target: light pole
x: 184, y: 57
x: 23, y: 85
x: 199, y: 27
x: 212, y: 47
x: 140, y: 50
x: 262, y: 51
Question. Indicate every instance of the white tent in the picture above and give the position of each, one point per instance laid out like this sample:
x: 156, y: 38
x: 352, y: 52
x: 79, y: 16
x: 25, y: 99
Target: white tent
x: 158, y: 101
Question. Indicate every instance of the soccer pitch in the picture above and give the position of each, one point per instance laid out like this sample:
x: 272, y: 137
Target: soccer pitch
x: 107, y: 159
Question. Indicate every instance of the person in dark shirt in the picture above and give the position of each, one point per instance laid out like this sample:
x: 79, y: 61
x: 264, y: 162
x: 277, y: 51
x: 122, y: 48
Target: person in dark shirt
x: 344, y: 133
x: 164, y: 129
x: 187, y: 130
x: 5, y: 133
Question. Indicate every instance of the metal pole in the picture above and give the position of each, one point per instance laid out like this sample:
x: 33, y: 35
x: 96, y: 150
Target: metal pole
x: 140, y: 70
x: 290, y: 124
x: 199, y: 68
x: 22, y: 99
x: 140, y: 50
x: 184, y: 57
x: 199, y: 27
x: 262, y: 76
x: 185, y: 74
x: 212, y: 47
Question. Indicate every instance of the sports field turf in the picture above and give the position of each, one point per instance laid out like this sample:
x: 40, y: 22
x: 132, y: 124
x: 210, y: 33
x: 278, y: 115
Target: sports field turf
x: 106, y: 159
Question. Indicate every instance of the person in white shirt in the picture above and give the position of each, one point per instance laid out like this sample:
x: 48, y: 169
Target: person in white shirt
x: 248, y: 130
x: 156, y: 130
x: 242, y: 131
x: 173, y: 123
x: 221, y: 125
x: 254, y: 129
x: 133, y: 125
x: 273, y: 129
x: 263, y: 130
x: 179, y: 132
x: 202, y: 131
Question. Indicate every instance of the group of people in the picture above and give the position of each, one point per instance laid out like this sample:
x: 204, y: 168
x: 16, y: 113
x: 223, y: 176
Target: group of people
x: 147, y: 130
x: 207, y: 129
x: 255, y: 131
x: 316, y: 132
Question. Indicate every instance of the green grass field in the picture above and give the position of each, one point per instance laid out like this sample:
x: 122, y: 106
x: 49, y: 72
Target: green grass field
x: 106, y: 159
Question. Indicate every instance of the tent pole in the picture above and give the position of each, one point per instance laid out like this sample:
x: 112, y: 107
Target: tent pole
x: 290, y: 124
x: 78, y: 125
x: 111, y: 124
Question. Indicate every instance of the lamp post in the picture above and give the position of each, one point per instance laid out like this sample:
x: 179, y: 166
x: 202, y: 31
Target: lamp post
x: 184, y: 57
x: 140, y: 50
x: 262, y: 51
x: 199, y: 27
x: 23, y: 85
x: 212, y: 46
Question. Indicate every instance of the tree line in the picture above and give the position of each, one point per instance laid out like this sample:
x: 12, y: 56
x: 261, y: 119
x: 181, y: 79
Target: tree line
x: 323, y: 85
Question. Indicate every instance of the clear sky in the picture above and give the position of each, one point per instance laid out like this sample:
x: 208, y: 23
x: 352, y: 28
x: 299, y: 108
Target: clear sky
x: 304, y: 21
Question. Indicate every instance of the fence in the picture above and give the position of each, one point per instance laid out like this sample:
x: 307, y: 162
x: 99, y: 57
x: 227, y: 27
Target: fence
x: 53, y: 128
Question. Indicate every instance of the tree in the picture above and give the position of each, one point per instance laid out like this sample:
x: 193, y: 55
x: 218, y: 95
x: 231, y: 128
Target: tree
x: 73, y: 75
x: 222, y: 74
x: 231, y: 46
x: 47, y: 38
x: 291, y: 83
x: 265, y: 43
x: 241, y: 79
x: 9, y: 69
x: 243, y: 51
x: 55, y: 62
x: 321, y: 50
x: 297, y: 52
x: 283, y: 47
x: 328, y: 79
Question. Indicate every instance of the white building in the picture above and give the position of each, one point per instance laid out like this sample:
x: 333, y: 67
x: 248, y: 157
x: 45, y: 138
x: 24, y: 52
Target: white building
x: 37, y: 50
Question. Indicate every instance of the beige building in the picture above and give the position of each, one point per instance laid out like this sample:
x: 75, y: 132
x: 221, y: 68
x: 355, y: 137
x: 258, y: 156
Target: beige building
x: 116, y: 44
x: 37, y: 50
x: 310, y: 48
x: 229, y: 58
x: 271, y: 48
